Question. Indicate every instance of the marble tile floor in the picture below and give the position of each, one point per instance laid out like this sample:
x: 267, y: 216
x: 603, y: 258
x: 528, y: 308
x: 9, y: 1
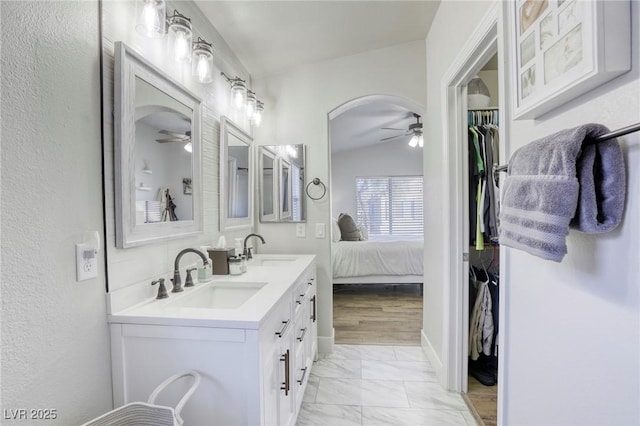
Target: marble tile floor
x: 378, y: 385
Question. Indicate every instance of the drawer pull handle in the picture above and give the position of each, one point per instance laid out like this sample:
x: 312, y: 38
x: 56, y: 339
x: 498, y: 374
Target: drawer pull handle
x: 284, y: 328
x: 300, y: 299
x: 313, y: 314
x: 286, y: 385
x: 304, y: 373
x: 304, y: 331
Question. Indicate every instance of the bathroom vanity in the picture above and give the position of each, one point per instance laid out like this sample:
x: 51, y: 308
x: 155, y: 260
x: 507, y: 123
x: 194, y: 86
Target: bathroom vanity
x: 252, y: 337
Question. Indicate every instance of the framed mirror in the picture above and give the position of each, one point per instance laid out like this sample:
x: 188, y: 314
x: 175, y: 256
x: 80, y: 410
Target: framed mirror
x: 157, y: 153
x: 282, y: 176
x: 268, y: 184
x: 236, y: 177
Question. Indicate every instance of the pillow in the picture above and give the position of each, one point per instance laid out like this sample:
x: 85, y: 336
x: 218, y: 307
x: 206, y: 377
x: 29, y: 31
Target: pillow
x: 364, y: 234
x: 348, y: 229
x: 335, y: 230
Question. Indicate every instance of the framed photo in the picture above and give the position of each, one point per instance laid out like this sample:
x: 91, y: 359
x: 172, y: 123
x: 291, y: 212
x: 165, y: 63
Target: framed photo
x: 565, y: 48
x: 187, y: 187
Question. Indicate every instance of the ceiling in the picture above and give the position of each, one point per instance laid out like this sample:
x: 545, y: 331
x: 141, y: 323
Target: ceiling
x: 271, y: 36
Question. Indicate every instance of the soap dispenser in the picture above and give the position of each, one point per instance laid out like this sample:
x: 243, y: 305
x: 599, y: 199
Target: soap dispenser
x: 238, y: 247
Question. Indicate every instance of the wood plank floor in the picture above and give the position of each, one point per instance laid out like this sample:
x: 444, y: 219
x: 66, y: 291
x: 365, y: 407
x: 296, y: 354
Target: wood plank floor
x: 483, y: 402
x: 381, y: 314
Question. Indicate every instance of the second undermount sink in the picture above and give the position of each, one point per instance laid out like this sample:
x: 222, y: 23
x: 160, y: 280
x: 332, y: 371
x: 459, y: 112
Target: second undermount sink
x: 223, y: 295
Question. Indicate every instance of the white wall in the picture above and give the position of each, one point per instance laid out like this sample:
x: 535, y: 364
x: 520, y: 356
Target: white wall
x: 55, y: 345
x: 392, y: 158
x: 571, y: 330
x: 297, y: 106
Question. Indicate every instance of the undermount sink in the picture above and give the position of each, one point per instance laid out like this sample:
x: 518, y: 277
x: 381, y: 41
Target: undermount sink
x: 227, y: 295
x: 271, y: 261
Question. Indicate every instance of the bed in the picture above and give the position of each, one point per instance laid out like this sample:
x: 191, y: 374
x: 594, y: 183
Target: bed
x: 379, y: 260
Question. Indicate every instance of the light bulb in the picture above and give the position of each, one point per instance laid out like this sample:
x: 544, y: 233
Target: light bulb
x: 188, y: 147
x: 251, y: 104
x: 257, y: 116
x: 238, y: 92
x: 151, y: 19
x: 421, y: 141
x: 202, y: 68
x: 179, y: 37
x: 413, y: 142
x: 202, y: 61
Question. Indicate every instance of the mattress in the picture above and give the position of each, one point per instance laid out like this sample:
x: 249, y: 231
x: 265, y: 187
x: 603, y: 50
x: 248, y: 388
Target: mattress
x: 377, y: 256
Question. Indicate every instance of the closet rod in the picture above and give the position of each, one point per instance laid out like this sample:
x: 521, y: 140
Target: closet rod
x: 620, y: 132
x: 484, y: 109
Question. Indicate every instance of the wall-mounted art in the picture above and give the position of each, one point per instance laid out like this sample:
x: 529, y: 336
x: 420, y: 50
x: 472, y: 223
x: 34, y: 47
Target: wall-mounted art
x: 565, y: 48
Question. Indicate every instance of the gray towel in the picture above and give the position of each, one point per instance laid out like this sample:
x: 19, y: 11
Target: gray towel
x: 559, y: 181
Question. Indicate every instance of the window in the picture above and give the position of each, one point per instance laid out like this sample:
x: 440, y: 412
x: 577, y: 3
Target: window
x: 390, y: 205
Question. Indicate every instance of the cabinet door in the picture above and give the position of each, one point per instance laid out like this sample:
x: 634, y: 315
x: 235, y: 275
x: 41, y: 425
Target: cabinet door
x: 286, y: 405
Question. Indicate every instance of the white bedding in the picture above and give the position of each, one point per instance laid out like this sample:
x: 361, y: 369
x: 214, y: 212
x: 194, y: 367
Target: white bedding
x: 379, y: 256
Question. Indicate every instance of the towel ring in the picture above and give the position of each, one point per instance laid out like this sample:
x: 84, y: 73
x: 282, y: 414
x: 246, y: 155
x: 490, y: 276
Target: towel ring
x: 316, y: 181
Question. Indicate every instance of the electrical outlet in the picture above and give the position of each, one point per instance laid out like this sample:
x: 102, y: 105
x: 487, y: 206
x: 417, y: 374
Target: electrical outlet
x: 301, y: 230
x: 86, y: 262
x: 319, y: 230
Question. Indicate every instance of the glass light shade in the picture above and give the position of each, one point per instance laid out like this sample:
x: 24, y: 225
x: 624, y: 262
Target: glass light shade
x: 421, y: 141
x: 202, y: 62
x: 188, y: 147
x: 478, y: 95
x: 238, y: 92
x: 150, y: 18
x: 179, y: 38
x: 257, y: 117
x: 252, y: 103
x: 413, y: 142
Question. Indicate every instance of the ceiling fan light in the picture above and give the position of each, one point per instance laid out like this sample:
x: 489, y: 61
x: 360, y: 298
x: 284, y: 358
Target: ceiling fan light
x: 413, y: 142
x: 188, y: 147
x: 421, y: 141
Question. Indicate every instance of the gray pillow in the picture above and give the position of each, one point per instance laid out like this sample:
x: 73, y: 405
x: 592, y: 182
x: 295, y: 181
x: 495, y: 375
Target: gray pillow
x: 348, y: 228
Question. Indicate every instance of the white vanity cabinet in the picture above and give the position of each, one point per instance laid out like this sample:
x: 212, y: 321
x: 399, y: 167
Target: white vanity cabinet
x: 250, y: 375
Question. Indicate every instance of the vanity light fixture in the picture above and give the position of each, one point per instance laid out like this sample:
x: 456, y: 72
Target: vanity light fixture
x: 150, y: 18
x: 202, y: 61
x: 252, y: 104
x: 257, y: 117
x: 179, y: 36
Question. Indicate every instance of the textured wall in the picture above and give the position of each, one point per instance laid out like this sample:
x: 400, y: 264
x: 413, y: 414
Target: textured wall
x: 55, y: 345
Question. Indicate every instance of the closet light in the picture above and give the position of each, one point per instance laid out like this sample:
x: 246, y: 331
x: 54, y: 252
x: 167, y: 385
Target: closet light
x: 252, y: 104
x: 202, y: 61
x: 179, y: 37
x: 478, y: 95
x: 257, y: 117
x: 150, y: 18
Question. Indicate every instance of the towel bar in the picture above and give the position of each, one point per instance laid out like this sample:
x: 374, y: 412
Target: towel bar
x: 620, y: 132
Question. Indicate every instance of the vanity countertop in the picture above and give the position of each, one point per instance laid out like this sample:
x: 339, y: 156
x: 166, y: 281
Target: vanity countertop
x: 276, y: 276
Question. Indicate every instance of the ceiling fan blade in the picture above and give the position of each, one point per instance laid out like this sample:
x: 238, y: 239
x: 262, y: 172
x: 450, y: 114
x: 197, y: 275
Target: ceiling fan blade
x: 173, y: 140
x: 392, y: 137
x: 390, y: 128
x: 170, y: 133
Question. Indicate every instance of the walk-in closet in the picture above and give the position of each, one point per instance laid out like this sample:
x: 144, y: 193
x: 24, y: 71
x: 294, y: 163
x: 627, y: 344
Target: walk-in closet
x: 483, y: 290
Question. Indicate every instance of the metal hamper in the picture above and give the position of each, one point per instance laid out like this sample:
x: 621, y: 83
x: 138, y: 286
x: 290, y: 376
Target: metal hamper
x: 147, y: 413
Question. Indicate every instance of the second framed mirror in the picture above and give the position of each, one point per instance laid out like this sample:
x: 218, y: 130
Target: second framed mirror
x: 281, y: 174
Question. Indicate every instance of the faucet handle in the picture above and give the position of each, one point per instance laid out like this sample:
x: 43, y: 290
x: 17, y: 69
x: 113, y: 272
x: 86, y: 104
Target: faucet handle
x: 162, y: 291
x: 188, y: 282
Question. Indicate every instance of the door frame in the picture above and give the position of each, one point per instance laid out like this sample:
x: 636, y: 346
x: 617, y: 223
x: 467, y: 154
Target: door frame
x: 485, y: 41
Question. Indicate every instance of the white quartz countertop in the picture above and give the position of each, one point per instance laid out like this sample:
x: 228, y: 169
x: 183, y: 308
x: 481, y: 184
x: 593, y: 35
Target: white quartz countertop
x: 276, y: 278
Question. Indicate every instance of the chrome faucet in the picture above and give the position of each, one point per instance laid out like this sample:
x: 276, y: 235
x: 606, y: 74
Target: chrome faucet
x: 177, y: 283
x: 247, y: 250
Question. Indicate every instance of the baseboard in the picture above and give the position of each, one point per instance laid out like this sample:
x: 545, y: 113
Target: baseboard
x: 433, y: 358
x: 325, y: 343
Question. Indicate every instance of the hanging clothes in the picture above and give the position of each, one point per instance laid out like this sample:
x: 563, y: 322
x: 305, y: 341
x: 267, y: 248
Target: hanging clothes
x: 483, y: 197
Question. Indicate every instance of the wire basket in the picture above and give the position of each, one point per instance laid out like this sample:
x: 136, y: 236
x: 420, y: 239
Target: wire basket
x: 147, y: 413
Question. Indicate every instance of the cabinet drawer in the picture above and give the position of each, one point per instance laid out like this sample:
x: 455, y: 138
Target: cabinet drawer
x: 279, y: 322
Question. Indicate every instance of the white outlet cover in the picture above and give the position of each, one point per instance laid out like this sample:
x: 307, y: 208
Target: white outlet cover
x: 301, y: 230
x: 320, y: 230
x: 86, y: 266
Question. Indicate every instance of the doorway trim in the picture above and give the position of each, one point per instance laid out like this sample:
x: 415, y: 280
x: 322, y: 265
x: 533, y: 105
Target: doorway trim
x: 483, y: 43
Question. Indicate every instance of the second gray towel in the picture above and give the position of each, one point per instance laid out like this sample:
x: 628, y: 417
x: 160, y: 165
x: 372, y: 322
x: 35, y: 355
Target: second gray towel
x: 559, y: 181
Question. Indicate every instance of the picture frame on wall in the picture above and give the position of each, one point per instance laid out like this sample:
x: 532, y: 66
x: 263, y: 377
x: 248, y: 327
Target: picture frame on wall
x: 562, y: 49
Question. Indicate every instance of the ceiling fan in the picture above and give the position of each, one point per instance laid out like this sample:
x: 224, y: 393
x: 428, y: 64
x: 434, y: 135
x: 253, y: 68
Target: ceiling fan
x: 414, y: 130
x: 177, y: 137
